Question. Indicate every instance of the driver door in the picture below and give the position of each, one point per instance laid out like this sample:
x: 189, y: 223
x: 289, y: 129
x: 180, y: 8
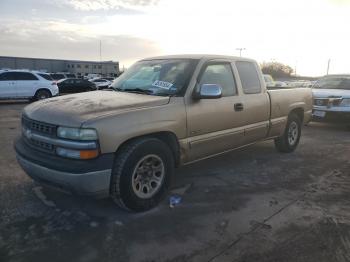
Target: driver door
x: 215, y: 125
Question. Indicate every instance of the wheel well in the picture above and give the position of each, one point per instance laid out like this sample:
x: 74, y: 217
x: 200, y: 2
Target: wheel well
x: 299, y: 112
x: 168, y: 138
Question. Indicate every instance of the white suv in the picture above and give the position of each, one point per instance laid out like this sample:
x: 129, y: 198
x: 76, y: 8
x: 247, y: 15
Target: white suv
x: 24, y: 84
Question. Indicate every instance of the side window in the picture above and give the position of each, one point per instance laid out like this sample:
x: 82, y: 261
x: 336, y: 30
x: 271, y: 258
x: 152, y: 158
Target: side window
x: 46, y: 76
x: 8, y: 76
x: 249, y: 77
x: 220, y: 74
x: 3, y: 77
x: 25, y: 76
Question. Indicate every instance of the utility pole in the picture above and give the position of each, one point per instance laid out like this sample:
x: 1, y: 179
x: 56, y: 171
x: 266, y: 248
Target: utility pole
x: 101, y: 56
x: 100, y: 50
x: 240, y: 50
x: 329, y: 62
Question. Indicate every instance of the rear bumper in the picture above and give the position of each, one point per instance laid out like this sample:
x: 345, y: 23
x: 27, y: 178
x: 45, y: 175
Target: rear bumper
x: 92, y: 179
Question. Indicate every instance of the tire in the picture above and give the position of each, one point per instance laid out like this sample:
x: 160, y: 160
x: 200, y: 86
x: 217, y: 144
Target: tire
x: 289, y: 141
x: 138, y: 191
x: 42, y: 94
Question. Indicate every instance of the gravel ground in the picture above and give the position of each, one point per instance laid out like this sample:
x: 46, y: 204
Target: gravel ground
x: 253, y: 204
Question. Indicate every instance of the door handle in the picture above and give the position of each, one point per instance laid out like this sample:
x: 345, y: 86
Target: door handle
x: 239, y: 107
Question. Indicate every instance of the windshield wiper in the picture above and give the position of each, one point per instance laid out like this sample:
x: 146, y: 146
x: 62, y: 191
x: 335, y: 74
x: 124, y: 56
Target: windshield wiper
x: 135, y: 90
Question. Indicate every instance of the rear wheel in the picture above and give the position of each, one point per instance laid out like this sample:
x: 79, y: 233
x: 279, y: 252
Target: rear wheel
x: 141, y: 174
x: 289, y: 141
x: 42, y: 94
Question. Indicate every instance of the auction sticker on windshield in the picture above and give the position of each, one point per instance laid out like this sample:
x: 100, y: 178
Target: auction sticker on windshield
x: 162, y: 84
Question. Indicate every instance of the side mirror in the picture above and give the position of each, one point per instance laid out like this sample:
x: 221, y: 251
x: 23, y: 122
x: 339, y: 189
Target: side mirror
x: 208, y: 91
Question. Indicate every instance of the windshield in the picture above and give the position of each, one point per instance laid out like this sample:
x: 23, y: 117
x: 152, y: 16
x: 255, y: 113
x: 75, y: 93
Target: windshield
x: 333, y: 83
x: 157, y: 77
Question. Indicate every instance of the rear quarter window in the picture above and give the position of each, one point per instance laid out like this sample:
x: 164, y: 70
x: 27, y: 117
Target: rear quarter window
x: 46, y: 76
x: 249, y: 77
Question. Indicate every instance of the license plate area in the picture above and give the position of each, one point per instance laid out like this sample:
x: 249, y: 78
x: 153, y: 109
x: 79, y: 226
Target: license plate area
x: 319, y: 113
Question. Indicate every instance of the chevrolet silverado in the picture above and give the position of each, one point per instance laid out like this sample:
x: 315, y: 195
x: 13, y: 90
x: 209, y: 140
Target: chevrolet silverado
x: 161, y: 113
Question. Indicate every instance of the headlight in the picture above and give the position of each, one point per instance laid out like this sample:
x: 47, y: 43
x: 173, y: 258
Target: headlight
x: 77, y: 133
x: 345, y: 102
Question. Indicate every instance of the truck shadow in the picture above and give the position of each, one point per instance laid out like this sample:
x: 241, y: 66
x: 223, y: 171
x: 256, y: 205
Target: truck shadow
x: 201, y: 185
x: 219, y: 180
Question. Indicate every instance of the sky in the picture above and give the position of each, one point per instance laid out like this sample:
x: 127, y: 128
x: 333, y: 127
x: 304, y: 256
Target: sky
x: 301, y: 33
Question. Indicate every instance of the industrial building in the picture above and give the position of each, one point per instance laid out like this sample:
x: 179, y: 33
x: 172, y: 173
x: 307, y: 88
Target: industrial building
x: 77, y: 67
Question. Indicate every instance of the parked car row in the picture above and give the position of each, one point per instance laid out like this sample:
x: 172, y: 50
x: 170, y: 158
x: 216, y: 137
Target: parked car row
x: 271, y: 83
x: 331, y: 96
x: 35, y: 85
x: 59, y: 76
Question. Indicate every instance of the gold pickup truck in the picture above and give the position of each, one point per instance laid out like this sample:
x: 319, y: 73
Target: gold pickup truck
x: 161, y: 113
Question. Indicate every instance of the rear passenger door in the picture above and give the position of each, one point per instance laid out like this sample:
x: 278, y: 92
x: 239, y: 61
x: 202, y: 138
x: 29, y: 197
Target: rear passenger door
x: 69, y: 86
x: 255, y: 102
x: 79, y: 85
x: 7, y: 85
x: 214, y: 125
x: 26, y: 84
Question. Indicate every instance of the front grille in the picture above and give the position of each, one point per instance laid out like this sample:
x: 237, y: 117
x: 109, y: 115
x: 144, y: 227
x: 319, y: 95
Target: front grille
x: 42, y: 145
x: 39, y: 127
x: 30, y: 126
x: 320, y: 102
x: 328, y: 102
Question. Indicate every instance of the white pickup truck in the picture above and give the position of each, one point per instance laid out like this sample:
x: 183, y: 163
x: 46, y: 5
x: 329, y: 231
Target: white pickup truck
x: 332, y: 99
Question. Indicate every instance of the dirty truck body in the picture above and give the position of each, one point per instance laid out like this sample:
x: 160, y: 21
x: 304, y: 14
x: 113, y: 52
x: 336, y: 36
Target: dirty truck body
x: 126, y: 143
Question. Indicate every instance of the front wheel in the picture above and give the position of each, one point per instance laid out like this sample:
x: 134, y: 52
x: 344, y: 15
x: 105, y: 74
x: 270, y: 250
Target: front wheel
x: 141, y: 174
x: 289, y: 141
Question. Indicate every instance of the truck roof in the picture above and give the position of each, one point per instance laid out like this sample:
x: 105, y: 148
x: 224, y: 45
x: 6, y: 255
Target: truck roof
x: 199, y: 56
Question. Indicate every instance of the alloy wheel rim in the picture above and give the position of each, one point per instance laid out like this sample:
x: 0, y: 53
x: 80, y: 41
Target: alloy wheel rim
x: 148, y: 176
x: 293, y: 133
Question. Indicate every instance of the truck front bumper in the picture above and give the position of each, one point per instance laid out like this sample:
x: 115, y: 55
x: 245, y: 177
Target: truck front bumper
x: 329, y: 115
x: 88, y: 177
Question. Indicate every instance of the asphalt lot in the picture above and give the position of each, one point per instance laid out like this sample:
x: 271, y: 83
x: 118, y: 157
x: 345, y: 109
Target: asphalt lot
x: 253, y: 204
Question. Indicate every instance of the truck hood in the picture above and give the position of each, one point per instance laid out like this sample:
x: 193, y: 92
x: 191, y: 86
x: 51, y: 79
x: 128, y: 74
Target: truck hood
x: 324, y: 93
x: 74, y: 110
